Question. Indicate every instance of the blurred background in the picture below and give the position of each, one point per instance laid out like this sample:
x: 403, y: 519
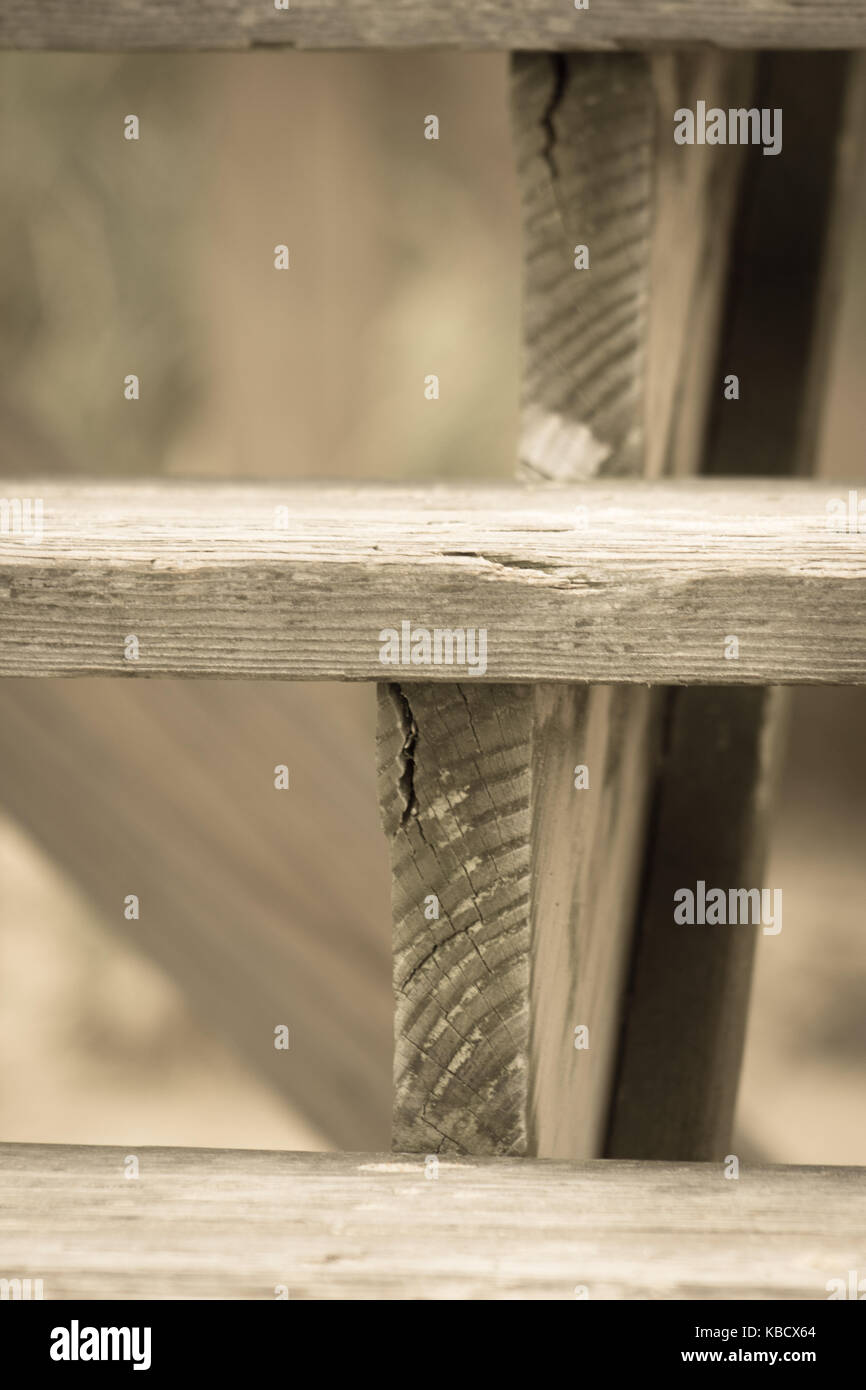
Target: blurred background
x: 259, y: 907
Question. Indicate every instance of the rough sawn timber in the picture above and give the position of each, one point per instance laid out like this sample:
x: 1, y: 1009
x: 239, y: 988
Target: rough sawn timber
x: 230, y: 1224
x: 619, y: 581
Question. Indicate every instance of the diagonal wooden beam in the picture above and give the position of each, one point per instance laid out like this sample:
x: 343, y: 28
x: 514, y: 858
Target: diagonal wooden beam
x: 685, y: 1024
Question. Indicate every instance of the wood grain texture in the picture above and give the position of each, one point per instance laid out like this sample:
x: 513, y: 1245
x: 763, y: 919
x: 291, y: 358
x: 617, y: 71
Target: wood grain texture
x: 487, y: 1002
x: 456, y: 807
x: 689, y: 992
x: 696, y: 191
x: 535, y: 878
x: 538, y: 24
x: 643, y: 585
x: 618, y: 357
x: 618, y: 363
x: 584, y: 133
x: 201, y: 1223
x: 481, y: 810
x: 587, y: 851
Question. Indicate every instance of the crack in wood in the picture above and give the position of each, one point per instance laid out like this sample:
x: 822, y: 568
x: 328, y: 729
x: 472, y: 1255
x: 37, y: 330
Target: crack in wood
x: 560, y: 69
x: 406, y: 780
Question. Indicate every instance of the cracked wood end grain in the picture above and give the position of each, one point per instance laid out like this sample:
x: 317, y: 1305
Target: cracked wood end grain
x: 456, y: 806
x: 502, y: 878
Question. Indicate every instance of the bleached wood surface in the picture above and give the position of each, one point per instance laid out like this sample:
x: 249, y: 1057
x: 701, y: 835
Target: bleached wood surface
x: 644, y: 585
x: 208, y: 1223
x: 539, y: 24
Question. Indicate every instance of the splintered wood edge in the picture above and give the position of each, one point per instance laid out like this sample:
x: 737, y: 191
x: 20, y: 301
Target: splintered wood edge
x: 620, y: 581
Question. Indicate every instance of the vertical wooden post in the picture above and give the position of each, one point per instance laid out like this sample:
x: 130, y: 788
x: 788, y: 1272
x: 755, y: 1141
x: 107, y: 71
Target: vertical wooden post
x: 685, y: 1020
x: 507, y: 1003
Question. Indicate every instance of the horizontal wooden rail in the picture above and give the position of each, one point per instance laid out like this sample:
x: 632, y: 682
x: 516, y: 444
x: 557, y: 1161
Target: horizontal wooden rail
x: 541, y: 24
x: 211, y: 1223
x: 617, y: 581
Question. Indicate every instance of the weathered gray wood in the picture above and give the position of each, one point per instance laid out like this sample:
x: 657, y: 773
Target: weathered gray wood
x: 687, y: 1010
x: 644, y: 585
x: 696, y: 197
x: 201, y: 1223
x: 540, y: 24
x: 586, y: 156
x: 617, y: 359
x: 656, y: 219
x: 454, y: 793
x: 535, y: 877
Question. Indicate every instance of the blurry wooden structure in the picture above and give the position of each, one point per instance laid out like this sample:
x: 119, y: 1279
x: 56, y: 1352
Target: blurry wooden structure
x: 547, y: 1006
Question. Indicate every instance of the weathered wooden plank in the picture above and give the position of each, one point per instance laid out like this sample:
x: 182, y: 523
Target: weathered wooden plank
x: 538, y: 24
x: 535, y: 876
x: 617, y: 581
x: 207, y: 1223
x: 686, y: 1018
